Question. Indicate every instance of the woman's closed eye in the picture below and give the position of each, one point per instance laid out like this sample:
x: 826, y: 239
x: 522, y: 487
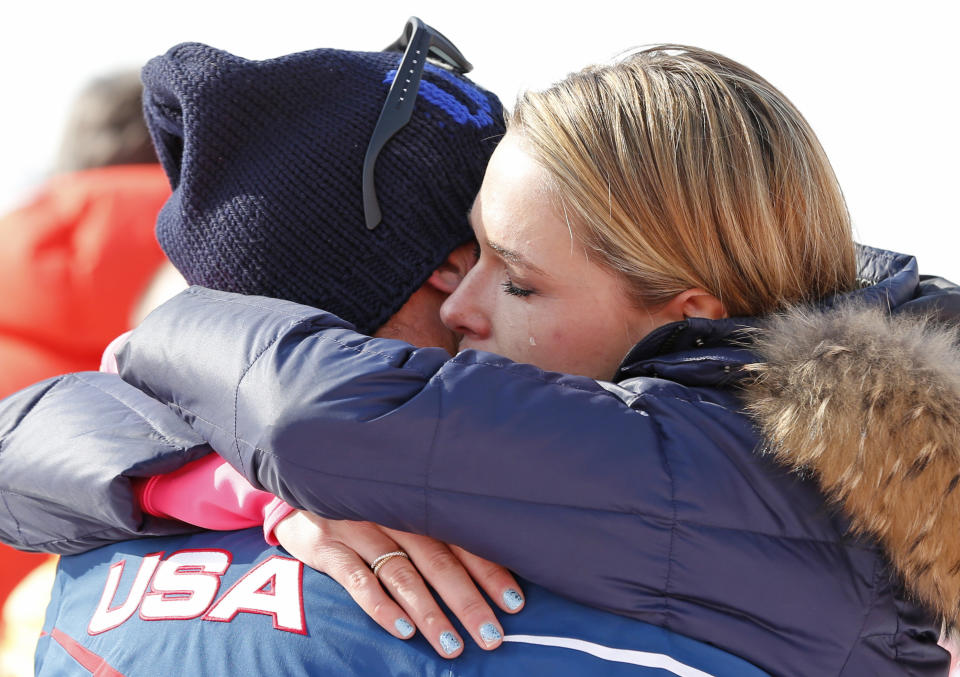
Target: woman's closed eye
x: 510, y: 288
x: 508, y: 285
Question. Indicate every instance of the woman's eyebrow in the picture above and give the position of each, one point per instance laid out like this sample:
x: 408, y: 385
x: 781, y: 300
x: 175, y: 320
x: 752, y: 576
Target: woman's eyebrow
x: 516, y: 258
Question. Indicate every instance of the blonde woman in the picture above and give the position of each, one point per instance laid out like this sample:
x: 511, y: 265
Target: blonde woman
x: 671, y: 224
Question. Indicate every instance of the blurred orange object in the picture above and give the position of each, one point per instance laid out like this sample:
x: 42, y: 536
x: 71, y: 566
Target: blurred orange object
x: 14, y: 565
x: 73, y: 263
x: 22, y: 620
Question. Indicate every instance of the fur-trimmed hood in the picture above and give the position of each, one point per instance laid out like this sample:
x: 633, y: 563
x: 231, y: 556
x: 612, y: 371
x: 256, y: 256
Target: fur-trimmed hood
x: 869, y: 402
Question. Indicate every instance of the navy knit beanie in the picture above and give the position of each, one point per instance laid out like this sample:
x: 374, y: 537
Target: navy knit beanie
x: 265, y: 159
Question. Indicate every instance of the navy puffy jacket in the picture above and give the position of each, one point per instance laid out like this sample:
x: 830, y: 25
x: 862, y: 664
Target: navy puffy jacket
x: 662, y: 510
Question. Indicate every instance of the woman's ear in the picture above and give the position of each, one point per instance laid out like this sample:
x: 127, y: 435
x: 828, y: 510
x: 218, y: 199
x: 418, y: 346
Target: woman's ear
x: 695, y: 303
x: 699, y: 303
x: 451, y: 272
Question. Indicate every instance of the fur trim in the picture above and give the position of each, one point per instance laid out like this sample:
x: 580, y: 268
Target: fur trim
x: 870, y: 403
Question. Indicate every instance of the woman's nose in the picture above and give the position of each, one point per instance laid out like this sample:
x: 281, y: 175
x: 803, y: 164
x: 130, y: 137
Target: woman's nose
x: 463, y: 311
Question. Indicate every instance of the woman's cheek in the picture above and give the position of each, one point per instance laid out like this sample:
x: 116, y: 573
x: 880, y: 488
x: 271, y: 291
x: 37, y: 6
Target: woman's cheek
x: 525, y: 333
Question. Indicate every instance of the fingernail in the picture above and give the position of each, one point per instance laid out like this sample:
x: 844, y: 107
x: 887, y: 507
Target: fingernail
x: 513, y: 599
x: 449, y: 643
x: 403, y: 627
x: 489, y: 633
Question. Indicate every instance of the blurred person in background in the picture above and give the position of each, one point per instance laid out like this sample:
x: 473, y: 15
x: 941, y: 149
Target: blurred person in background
x: 76, y: 258
x: 80, y: 253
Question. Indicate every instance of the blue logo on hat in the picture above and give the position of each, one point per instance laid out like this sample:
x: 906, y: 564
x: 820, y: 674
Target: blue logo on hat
x: 459, y: 111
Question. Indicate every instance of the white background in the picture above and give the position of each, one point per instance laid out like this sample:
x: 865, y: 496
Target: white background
x: 877, y: 80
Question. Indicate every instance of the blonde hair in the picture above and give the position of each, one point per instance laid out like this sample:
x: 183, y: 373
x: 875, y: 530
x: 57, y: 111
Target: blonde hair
x: 681, y: 168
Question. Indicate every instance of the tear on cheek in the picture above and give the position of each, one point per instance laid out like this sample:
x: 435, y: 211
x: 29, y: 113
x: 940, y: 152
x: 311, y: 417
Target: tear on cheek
x: 532, y: 341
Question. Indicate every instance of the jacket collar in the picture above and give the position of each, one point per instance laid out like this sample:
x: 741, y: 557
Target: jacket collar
x: 887, y: 279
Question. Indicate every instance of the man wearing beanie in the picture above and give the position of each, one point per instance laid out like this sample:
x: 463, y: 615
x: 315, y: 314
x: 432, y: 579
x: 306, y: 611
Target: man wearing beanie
x: 267, y: 161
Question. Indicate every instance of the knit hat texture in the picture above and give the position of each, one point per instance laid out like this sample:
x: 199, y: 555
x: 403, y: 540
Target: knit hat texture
x: 265, y: 159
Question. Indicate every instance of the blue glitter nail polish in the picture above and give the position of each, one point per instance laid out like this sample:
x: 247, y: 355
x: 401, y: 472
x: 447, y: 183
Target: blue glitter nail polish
x: 403, y: 627
x: 489, y: 633
x: 449, y: 643
x: 513, y: 599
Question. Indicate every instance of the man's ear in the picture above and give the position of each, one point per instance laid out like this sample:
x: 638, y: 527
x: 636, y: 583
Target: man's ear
x: 695, y: 302
x: 451, y: 272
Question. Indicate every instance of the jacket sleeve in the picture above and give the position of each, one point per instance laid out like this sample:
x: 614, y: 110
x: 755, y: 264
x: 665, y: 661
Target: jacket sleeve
x: 499, y: 457
x: 69, y: 448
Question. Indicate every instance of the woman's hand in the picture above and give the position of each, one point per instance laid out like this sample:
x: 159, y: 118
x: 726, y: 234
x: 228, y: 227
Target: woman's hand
x: 344, y: 550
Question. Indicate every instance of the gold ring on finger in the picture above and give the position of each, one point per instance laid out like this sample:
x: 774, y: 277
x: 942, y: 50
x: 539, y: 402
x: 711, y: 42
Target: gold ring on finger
x: 378, y: 563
